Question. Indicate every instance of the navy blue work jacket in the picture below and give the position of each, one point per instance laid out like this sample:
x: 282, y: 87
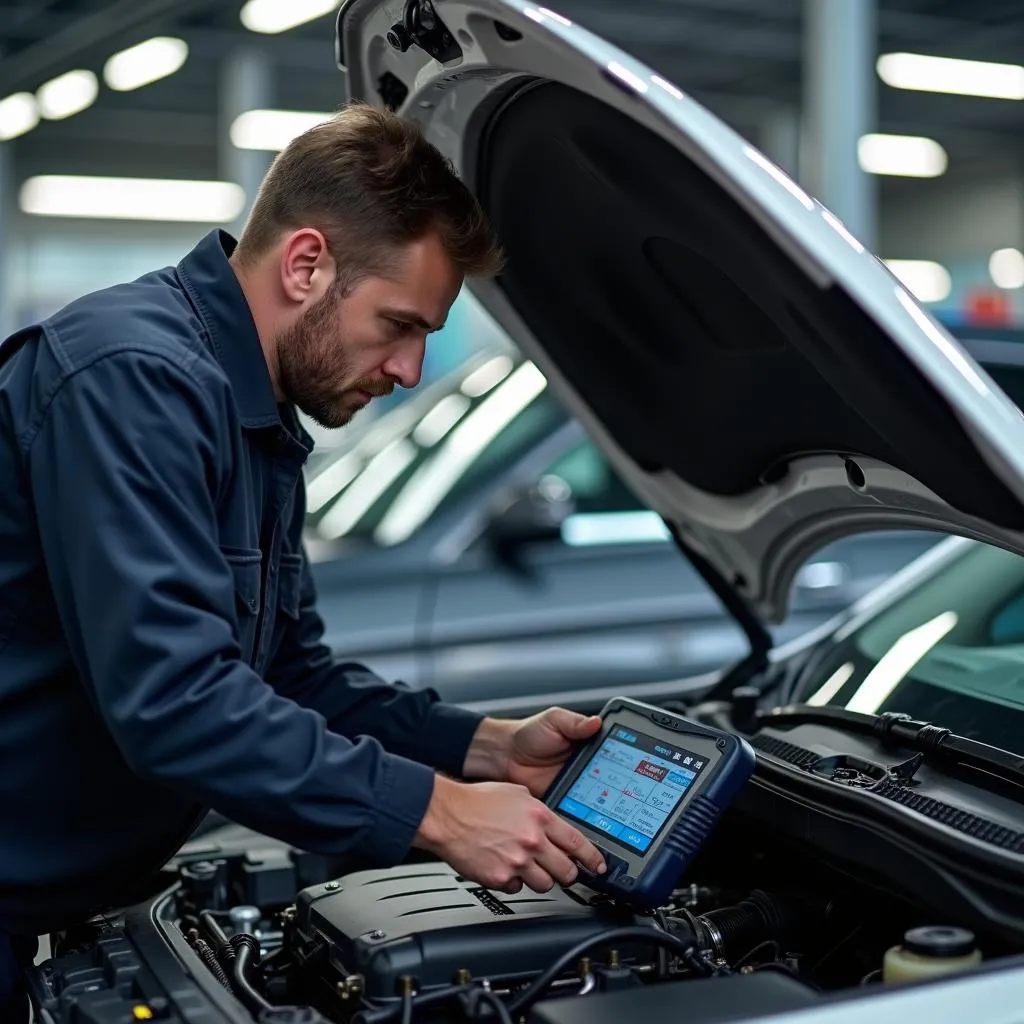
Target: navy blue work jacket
x: 160, y: 650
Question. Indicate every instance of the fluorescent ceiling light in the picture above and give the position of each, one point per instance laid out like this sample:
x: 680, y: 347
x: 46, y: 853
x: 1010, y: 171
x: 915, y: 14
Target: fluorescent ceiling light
x: 909, y: 156
x: 59, y: 195
x: 1007, y: 268
x: 944, y: 74
x: 67, y: 94
x: 272, y: 16
x: 147, y: 62
x: 19, y: 113
x: 272, y: 129
x: 925, y: 280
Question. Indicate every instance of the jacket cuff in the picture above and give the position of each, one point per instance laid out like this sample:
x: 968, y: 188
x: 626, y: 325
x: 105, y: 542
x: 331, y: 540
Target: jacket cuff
x: 447, y: 734
x: 403, y: 799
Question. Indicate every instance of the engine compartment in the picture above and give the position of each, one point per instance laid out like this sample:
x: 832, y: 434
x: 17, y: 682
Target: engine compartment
x: 761, y: 924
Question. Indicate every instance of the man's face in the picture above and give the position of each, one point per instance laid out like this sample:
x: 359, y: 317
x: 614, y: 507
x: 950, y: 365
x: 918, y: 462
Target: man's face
x: 344, y: 351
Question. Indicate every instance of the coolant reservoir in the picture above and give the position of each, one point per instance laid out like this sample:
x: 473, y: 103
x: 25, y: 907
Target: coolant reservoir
x: 928, y: 953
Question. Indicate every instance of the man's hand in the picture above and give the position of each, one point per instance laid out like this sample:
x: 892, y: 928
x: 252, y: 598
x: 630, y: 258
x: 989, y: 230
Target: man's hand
x: 496, y: 834
x: 542, y: 744
x: 529, y: 752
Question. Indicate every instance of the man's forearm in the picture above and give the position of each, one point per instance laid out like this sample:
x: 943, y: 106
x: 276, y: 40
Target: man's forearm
x: 488, y: 753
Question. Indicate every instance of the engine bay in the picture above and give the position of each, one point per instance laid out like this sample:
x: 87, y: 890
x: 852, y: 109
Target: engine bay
x: 762, y: 924
x: 847, y: 865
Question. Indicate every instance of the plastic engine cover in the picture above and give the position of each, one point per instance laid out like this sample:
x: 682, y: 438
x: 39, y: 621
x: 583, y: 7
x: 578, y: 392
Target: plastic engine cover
x: 425, y: 921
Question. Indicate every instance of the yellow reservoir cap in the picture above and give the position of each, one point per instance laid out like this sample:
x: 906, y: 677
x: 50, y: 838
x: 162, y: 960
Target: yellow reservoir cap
x: 142, y: 1012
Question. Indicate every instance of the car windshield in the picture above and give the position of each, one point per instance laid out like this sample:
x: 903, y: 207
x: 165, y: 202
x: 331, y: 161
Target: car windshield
x: 949, y: 651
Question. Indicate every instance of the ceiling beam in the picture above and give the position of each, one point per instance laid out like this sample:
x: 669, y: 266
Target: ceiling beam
x: 285, y: 50
x: 628, y: 27
x: 16, y: 24
x: 138, y: 127
x: 27, y: 67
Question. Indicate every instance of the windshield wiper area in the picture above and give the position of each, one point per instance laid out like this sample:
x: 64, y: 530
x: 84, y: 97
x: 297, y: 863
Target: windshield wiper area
x: 934, y: 743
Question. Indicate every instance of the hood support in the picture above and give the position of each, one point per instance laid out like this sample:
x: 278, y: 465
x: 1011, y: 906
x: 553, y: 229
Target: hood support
x: 759, y: 638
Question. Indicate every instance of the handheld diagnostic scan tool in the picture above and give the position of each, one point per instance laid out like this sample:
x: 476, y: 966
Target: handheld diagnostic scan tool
x: 647, y: 791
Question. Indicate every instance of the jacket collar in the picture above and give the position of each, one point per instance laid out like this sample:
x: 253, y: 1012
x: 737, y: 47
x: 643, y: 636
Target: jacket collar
x: 215, y: 292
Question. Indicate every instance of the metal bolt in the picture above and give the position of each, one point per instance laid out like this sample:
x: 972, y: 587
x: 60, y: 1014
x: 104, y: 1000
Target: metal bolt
x: 350, y: 986
x: 407, y: 984
x: 584, y: 966
x: 462, y: 976
x: 376, y: 934
x: 613, y: 958
x: 332, y: 886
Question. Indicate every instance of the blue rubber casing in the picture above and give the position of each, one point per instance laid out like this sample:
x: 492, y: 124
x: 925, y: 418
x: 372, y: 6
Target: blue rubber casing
x: 646, y: 880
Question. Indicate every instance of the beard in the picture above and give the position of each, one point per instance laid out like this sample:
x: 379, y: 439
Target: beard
x: 315, y: 369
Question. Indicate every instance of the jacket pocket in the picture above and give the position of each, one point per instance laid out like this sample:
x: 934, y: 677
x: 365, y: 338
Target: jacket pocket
x: 246, y: 572
x: 289, y: 592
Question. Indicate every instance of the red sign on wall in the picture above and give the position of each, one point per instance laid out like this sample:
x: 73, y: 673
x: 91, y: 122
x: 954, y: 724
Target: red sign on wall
x: 987, y: 307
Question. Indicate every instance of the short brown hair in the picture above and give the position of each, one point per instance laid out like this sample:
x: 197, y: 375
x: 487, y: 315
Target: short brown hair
x: 371, y: 182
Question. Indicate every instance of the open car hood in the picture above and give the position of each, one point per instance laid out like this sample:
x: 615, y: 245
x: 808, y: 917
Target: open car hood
x: 760, y: 379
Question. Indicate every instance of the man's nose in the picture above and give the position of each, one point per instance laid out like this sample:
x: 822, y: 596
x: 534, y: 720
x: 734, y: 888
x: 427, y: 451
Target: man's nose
x: 406, y: 365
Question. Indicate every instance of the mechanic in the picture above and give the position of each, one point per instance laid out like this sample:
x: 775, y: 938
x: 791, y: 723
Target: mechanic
x: 160, y: 648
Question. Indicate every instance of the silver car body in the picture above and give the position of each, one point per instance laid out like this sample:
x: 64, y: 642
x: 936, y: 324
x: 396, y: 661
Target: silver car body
x: 763, y: 536
x: 756, y: 539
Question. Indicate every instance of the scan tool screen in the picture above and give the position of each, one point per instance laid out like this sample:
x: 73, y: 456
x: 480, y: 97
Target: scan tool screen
x: 630, y: 786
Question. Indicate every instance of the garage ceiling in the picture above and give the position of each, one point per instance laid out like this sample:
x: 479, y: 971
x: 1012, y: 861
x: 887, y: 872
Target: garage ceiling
x: 742, y: 58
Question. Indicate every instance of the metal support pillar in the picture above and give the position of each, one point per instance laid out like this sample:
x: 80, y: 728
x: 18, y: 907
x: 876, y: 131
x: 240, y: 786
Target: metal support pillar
x: 839, y: 107
x: 780, y: 138
x: 8, y: 237
x: 246, y: 84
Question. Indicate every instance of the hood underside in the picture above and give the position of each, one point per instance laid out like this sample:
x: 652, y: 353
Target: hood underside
x: 762, y: 382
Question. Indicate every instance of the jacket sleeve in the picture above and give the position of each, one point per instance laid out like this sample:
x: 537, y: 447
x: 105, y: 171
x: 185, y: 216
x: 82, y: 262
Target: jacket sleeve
x: 126, y: 466
x: 410, y: 722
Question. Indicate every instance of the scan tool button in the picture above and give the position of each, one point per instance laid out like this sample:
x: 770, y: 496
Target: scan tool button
x: 585, y: 875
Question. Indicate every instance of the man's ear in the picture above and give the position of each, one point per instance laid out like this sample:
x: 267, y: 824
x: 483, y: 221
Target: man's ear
x: 307, y: 268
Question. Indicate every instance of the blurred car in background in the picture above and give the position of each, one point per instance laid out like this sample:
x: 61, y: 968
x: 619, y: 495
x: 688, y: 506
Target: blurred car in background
x: 475, y: 539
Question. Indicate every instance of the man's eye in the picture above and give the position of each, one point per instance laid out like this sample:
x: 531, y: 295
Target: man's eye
x: 399, y: 326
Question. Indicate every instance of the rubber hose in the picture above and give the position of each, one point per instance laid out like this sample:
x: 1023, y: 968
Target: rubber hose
x: 213, y: 929
x: 632, y: 933
x: 500, y: 1009
x: 247, y: 951
x: 748, y: 923
x: 385, y: 1014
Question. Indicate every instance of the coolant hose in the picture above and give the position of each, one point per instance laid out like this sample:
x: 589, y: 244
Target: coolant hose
x: 674, y: 943
x: 247, y: 952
